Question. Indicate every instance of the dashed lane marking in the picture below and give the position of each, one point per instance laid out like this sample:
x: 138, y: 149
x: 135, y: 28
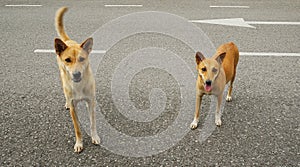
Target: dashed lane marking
x: 123, y: 5
x: 229, y: 7
x: 23, y: 5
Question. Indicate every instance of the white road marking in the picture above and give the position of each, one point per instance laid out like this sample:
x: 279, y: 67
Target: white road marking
x: 241, y: 53
x: 53, y: 51
x: 99, y: 51
x: 273, y: 23
x: 269, y: 54
x: 44, y: 51
x: 23, y: 5
x: 229, y: 6
x: 123, y: 5
x: 240, y: 22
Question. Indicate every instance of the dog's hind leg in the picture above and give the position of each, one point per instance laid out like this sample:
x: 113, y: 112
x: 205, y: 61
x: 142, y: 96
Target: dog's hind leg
x: 91, y: 107
x: 229, y: 97
x: 78, y: 147
x: 236, y: 60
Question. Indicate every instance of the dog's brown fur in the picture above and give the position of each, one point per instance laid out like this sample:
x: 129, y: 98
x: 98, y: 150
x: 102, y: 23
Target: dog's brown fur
x: 214, y: 74
x: 76, y: 75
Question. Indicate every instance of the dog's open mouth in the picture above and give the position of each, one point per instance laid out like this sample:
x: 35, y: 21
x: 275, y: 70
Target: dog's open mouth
x: 76, y: 79
x: 207, y: 88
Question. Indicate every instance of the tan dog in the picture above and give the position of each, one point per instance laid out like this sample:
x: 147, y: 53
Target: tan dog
x: 214, y: 74
x: 76, y: 76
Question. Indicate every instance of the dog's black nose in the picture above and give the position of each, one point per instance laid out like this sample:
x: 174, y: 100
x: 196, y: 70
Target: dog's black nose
x: 208, y: 82
x: 77, y: 74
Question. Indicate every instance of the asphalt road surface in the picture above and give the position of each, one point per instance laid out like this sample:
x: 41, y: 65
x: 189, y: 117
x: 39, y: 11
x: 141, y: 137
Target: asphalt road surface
x: 145, y: 84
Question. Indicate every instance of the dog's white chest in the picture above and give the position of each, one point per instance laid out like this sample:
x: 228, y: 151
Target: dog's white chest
x: 78, y: 93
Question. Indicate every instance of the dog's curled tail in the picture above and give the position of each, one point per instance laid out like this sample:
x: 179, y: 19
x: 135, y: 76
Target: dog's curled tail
x: 59, y: 24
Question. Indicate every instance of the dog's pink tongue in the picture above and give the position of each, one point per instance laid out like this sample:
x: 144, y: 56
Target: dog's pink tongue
x: 208, y: 88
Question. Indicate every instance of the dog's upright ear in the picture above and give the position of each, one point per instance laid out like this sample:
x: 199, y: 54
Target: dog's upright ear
x: 87, y: 45
x: 60, y: 46
x: 221, y: 57
x: 199, y: 57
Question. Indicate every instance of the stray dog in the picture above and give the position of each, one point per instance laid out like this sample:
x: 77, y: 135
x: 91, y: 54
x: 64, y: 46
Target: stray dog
x: 214, y: 74
x: 76, y: 76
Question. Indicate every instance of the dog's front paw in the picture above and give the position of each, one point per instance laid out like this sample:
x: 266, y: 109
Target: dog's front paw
x: 194, y: 124
x: 228, y: 98
x: 67, y: 107
x: 218, y: 122
x: 78, y: 147
x: 95, y: 139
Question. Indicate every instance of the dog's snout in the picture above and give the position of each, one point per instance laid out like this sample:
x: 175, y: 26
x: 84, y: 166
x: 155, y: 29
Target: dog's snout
x: 208, y: 82
x: 77, y: 74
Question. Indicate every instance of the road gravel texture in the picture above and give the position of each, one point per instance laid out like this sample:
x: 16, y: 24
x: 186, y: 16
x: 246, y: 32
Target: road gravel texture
x: 260, y: 126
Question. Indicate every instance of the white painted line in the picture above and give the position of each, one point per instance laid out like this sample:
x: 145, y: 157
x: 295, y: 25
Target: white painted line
x: 229, y: 7
x: 43, y: 51
x: 23, y: 5
x: 227, y: 22
x: 241, y: 53
x: 269, y: 54
x: 53, y: 51
x: 241, y: 22
x: 99, y: 51
x: 123, y: 5
x: 272, y: 23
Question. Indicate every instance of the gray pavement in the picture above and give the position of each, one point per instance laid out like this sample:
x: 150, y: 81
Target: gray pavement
x: 260, y: 126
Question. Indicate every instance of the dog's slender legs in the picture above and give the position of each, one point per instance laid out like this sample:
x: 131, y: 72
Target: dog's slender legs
x: 78, y: 147
x: 67, y: 105
x: 194, y: 124
x: 228, y: 97
x: 218, y: 112
x: 91, y: 108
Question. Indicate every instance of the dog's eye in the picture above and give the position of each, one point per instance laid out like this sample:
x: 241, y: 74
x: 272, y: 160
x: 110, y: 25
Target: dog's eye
x: 68, y: 60
x: 214, y: 70
x: 81, y: 59
x: 203, y: 69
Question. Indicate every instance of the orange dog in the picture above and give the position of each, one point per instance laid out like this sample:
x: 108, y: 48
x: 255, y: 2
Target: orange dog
x: 214, y: 74
x: 76, y: 76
